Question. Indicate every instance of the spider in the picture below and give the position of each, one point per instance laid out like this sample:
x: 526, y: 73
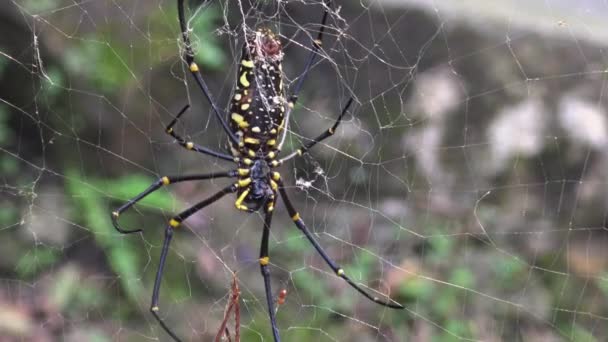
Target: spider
x: 259, y: 111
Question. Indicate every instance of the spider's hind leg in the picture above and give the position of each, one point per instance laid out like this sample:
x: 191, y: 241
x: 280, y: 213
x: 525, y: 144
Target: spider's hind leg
x: 264, y: 260
x: 295, y: 216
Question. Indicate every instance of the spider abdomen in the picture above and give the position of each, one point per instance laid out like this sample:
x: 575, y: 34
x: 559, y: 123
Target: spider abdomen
x: 258, y: 106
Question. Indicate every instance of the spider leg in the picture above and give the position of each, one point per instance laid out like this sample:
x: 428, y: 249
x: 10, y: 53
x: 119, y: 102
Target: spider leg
x: 337, y: 269
x: 173, y: 224
x: 328, y: 133
x: 157, y: 185
x: 264, y: 260
x: 190, y: 145
x: 194, y: 70
x: 314, y: 52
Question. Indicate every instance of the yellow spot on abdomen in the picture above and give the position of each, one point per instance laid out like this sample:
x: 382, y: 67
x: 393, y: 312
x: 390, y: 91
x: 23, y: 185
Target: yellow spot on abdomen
x: 194, y: 67
x: 240, y: 120
x: 174, y: 223
x: 165, y: 180
x: 245, y: 106
x: 250, y: 140
x: 244, y: 81
x: 247, y: 63
x: 296, y: 217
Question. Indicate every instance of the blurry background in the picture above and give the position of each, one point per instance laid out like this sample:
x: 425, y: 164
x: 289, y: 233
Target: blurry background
x: 469, y: 182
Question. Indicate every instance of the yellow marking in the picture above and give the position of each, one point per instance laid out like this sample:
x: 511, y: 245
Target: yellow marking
x: 154, y: 308
x: 165, y: 180
x: 240, y: 200
x: 299, y: 151
x: 256, y: 129
x: 251, y: 140
x: 237, y: 159
x: 271, y: 142
x: 264, y: 261
x: 241, y: 144
x: 273, y: 185
x: 115, y: 213
x: 169, y: 130
x: 281, y: 81
x: 274, y: 163
x: 247, y: 63
x: 318, y: 42
x: 247, y: 161
x: 245, y: 91
x: 193, y: 67
x: 237, y: 97
x: 296, y: 217
x: 243, y: 172
x: 189, y: 145
x: 270, y: 206
x: 251, y: 153
x: 174, y: 223
x: 331, y: 130
x: 240, y: 120
x: 290, y: 104
x: 243, y: 182
x: 273, y: 131
x: 340, y: 272
x: 244, y: 81
x: 245, y: 106
x: 276, y: 176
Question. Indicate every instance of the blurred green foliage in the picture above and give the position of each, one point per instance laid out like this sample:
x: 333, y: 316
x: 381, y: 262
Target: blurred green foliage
x: 90, y: 208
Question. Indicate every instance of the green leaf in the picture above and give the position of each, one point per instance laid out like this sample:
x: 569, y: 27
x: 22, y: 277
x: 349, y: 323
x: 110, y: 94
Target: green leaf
x: 127, y: 187
x: 462, y: 277
x: 36, y: 260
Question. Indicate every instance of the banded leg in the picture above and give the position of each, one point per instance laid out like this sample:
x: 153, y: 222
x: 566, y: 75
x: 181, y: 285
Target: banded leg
x: 194, y: 70
x: 264, y: 260
x: 314, y: 52
x: 295, y: 216
x: 173, y: 224
x: 166, y: 180
x: 190, y: 145
x: 328, y: 133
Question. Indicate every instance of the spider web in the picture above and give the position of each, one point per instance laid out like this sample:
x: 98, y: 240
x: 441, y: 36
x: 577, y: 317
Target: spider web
x: 468, y: 182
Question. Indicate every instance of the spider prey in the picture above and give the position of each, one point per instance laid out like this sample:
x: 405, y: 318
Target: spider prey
x: 256, y: 121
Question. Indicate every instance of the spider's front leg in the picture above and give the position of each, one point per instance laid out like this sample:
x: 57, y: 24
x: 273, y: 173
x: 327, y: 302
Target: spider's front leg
x: 189, y: 145
x: 328, y: 133
x: 162, y: 181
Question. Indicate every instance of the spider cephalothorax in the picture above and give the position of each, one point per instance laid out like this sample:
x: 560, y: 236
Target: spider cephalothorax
x: 256, y: 119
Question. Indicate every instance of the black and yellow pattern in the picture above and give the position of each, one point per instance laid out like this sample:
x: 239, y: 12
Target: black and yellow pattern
x: 256, y: 120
